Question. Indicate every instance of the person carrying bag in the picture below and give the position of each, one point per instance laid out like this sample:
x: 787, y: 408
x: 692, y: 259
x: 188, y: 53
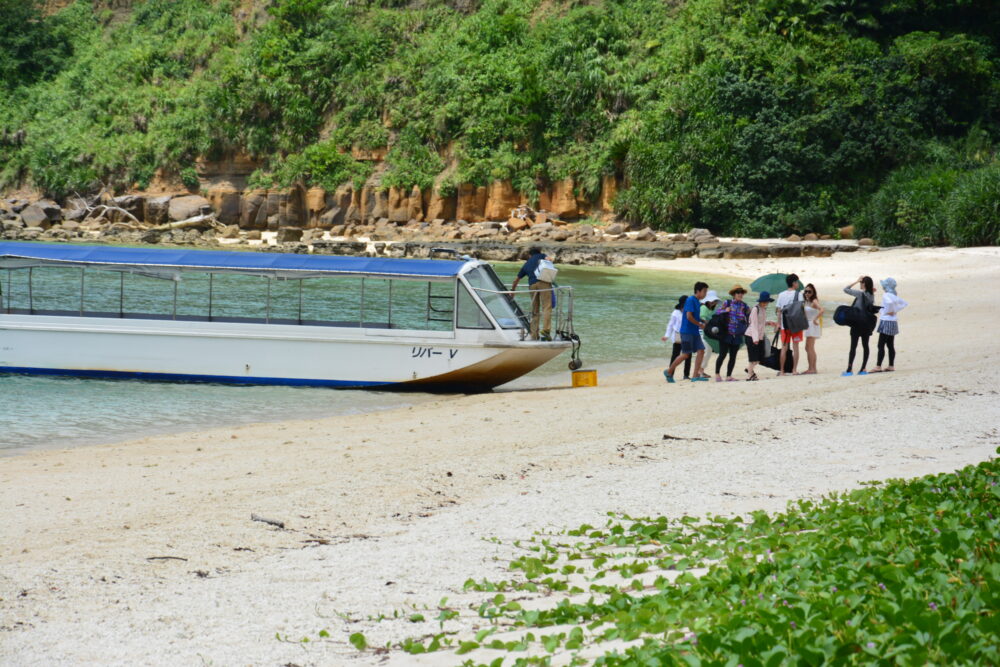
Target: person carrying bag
x: 794, y: 315
x: 791, y: 309
x: 541, y: 273
x: 862, y: 321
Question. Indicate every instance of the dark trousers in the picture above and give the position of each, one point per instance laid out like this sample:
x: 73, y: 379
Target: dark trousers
x: 687, y: 362
x: 863, y: 336
x: 725, y: 349
x: 886, y: 341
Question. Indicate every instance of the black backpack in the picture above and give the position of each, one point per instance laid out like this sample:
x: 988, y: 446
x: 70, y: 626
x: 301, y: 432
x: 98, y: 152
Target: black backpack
x: 717, y: 326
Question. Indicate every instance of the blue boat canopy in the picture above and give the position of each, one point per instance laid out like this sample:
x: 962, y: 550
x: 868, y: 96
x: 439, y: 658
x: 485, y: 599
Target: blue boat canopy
x: 167, y: 262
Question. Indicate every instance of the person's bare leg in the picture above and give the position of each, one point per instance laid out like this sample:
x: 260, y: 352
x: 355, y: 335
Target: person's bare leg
x: 699, y: 365
x: 795, y: 358
x: 681, y: 358
x: 811, y: 355
x: 781, y: 360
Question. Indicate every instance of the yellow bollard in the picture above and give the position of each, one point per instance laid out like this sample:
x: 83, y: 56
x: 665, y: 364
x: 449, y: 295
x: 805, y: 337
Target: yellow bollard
x: 585, y: 378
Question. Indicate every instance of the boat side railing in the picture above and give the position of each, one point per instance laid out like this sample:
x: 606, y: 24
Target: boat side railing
x: 562, y: 308
x: 343, y: 324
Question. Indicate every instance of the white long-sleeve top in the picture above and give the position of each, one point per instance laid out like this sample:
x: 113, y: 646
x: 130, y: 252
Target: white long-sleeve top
x: 674, y: 326
x: 891, y: 304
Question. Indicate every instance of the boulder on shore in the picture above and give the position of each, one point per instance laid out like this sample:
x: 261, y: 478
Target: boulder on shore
x: 817, y: 251
x: 42, y: 214
x: 745, y: 251
x: 34, y: 216
x: 188, y: 206
x: 289, y: 235
x: 786, y: 250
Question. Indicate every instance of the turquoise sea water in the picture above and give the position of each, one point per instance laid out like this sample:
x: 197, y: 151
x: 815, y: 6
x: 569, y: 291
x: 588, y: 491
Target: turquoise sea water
x: 620, y: 315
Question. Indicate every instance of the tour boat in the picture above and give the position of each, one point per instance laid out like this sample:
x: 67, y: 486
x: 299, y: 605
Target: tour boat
x: 267, y: 318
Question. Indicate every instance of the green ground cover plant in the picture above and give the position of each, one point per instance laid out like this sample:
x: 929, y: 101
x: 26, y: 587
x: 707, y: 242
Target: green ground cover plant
x: 757, y: 117
x: 900, y: 572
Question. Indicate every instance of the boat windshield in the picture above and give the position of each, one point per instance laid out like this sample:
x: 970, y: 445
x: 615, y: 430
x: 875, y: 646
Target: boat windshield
x: 340, y: 301
x: 493, y: 293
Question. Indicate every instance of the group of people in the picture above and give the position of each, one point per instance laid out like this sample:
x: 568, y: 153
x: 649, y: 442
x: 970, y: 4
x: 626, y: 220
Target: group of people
x: 798, y: 319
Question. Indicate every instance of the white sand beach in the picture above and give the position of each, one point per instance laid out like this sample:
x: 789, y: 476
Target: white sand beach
x: 144, y: 553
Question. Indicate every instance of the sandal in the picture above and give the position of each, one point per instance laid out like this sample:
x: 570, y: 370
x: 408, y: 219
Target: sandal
x: 753, y: 378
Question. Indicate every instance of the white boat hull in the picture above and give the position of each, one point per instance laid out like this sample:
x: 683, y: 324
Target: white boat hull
x: 265, y: 353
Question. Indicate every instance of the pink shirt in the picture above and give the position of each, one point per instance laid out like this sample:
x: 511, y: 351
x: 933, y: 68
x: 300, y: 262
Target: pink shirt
x: 758, y: 318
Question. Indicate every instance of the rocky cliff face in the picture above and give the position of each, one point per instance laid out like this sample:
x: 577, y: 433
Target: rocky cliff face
x: 224, y: 185
x: 316, y: 208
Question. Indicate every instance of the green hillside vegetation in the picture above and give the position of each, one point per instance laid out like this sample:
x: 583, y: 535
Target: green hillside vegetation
x: 753, y: 117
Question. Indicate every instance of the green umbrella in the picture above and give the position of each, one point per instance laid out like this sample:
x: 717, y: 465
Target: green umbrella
x: 772, y: 282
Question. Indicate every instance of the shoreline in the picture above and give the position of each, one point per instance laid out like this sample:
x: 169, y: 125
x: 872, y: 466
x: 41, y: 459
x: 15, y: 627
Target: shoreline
x: 568, y: 243
x: 393, y: 509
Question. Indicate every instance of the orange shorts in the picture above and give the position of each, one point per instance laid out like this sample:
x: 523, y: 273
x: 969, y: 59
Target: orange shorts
x: 789, y: 337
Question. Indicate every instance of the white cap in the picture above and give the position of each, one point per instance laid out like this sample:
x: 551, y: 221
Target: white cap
x: 711, y: 296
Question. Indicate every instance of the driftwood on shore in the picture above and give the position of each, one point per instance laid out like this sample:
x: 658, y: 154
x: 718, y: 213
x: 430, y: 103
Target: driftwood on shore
x: 273, y: 522
x: 190, y: 222
x: 98, y: 212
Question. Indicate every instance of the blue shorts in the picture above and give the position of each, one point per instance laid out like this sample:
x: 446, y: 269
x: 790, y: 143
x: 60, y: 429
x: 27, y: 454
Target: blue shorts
x: 691, y: 343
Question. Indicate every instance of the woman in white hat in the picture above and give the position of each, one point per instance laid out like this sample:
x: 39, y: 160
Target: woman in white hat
x: 708, y: 306
x: 888, y: 325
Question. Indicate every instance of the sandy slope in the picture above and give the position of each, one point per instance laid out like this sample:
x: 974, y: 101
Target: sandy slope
x: 392, y: 509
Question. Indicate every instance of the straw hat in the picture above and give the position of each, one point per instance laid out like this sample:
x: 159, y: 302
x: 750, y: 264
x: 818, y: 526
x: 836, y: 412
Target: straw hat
x: 737, y: 288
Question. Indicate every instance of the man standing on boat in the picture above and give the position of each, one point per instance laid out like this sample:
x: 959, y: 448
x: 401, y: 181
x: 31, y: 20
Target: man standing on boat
x: 541, y: 297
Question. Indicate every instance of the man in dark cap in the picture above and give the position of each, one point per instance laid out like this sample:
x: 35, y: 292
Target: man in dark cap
x: 541, y: 297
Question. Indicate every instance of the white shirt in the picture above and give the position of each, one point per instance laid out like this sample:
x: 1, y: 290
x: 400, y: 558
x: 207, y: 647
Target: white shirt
x: 891, y: 304
x: 674, y: 326
x: 784, y: 300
